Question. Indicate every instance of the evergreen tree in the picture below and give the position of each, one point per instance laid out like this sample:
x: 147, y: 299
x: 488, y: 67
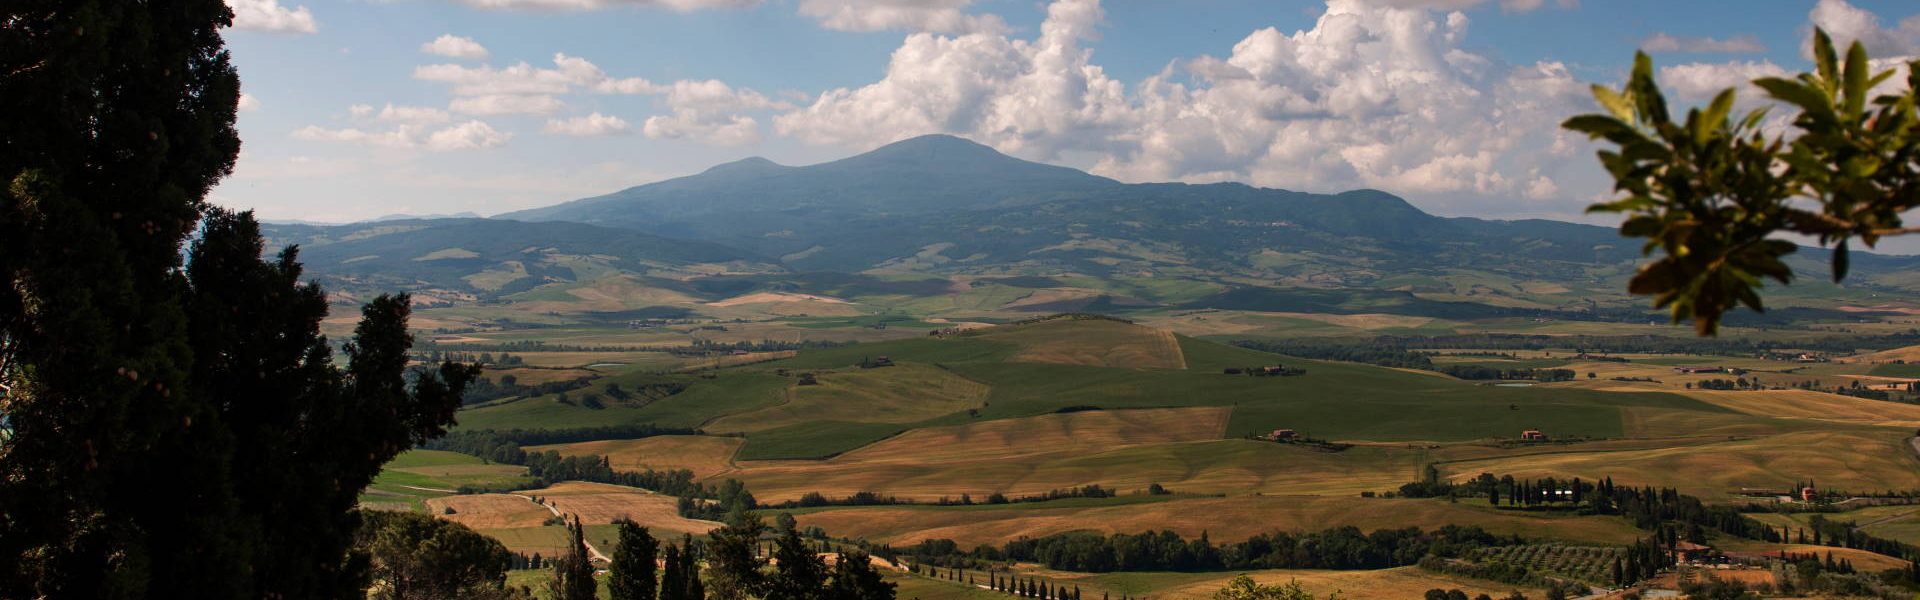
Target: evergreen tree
x: 673, y: 580
x: 573, y: 572
x: 415, y: 556
x: 124, y: 373
x: 799, y: 573
x: 690, y: 567
x: 731, y: 565
x: 632, y: 571
x: 854, y: 578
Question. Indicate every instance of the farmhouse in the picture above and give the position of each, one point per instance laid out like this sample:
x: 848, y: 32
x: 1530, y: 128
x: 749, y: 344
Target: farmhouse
x: 1690, y: 552
x: 1281, y: 435
x: 1533, y: 435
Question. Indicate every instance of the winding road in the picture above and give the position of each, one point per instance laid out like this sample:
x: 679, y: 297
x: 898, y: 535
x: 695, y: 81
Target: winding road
x: 592, y: 552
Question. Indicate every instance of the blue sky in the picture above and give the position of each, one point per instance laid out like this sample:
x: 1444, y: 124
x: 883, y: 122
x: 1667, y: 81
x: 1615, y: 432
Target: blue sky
x: 1449, y: 103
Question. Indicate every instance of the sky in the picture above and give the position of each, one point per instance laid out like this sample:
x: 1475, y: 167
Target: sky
x: 356, y: 109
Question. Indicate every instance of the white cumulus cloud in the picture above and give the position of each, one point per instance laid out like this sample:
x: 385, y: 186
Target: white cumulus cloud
x: 413, y: 114
x: 506, y: 104
x: 595, y: 124
x: 674, y: 5
x: 1371, y: 96
x: 1663, y: 42
x: 469, y: 135
x: 248, y: 102
x: 567, y: 74
x: 269, y: 15
x: 1451, y: 5
x: 1848, y: 23
x: 940, y: 16
x: 1701, y: 81
x: 453, y: 46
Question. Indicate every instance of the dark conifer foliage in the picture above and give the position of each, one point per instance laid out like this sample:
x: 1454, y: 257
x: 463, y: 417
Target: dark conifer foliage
x: 123, y: 374
x: 633, y: 570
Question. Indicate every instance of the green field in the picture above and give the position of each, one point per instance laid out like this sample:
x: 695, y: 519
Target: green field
x: 1022, y: 410
x: 1895, y: 370
x: 417, y: 475
x: 1339, y: 401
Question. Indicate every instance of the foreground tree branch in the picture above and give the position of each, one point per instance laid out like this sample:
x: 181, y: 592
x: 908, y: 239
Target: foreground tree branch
x: 1712, y: 194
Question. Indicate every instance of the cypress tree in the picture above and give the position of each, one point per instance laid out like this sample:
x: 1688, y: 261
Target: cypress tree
x: 126, y: 373
x: 573, y: 573
x: 673, y: 581
x: 633, y: 569
x: 854, y: 578
x: 799, y: 573
x: 690, y: 566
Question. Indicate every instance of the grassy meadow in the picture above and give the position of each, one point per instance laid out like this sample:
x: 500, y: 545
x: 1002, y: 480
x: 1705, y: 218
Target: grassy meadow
x: 1027, y: 409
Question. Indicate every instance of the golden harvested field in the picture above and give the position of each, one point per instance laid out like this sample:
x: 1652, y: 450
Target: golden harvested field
x: 600, y: 504
x: 537, y: 376
x: 1096, y: 343
x: 775, y: 297
x: 733, y: 360
x: 1226, y: 519
x: 1653, y: 422
x: 489, y: 511
x: 1910, y: 354
x: 1218, y: 466
x: 547, y: 541
x: 1068, y: 433
x: 1819, y: 406
x: 1862, y: 560
x: 706, y: 456
x: 904, y: 393
x: 649, y: 360
x: 1404, y: 582
x: 1848, y: 459
x: 1367, y: 322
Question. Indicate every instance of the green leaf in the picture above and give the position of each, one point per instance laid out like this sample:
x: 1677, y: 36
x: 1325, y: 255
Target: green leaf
x: 1716, y: 116
x: 1816, y: 103
x: 1823, y: 56
x: 1615, y: 103
x: 1595, y: 125
x: 1857, y: 76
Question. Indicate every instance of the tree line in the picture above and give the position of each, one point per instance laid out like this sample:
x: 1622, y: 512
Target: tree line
x: 1401, y: 351
x: 1344, y: 548
x: 813, y: 499
x: 1483, y: 373
x: 1663, y: 510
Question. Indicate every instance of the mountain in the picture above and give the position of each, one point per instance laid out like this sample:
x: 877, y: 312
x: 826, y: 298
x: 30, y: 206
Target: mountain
x: 942, y: 204
x: 487, y: 258
x: 940, y: 210
x: 927, y: 174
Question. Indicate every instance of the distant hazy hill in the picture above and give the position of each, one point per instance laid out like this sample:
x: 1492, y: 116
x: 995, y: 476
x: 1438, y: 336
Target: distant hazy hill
x: 943, y: 204
x: 924, y: 175
x: 947, y: 204
x: 493, y: 256
x: 940, y: 206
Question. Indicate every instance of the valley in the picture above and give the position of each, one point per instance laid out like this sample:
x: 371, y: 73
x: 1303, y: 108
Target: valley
x: 1054, y: 356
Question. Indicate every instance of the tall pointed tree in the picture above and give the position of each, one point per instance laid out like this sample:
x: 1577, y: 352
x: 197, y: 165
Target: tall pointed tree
x: 122, y: 373
x: 572, y: 577
x: 633, y: 568
x: 799, y: 573
x: 854, y: 578
x: 673, y: 579
x: 732, y: 568
x: 694, y: 588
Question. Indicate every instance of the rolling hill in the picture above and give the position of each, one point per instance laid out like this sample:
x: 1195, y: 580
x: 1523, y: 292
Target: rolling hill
x: 937, y: 226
